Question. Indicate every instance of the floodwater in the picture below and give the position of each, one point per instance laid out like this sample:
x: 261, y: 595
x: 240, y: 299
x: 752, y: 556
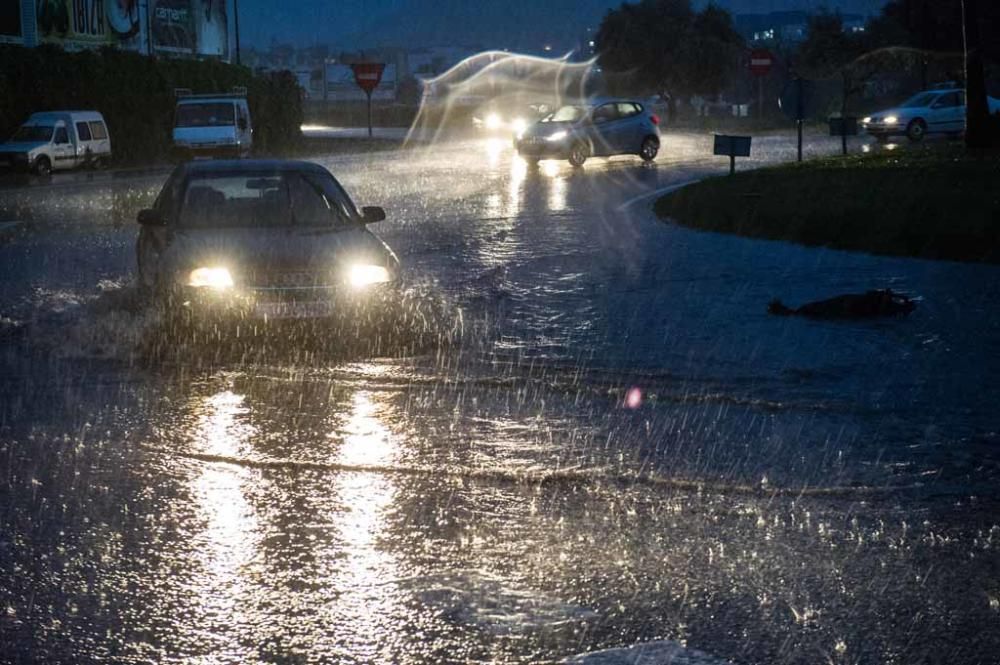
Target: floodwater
x: 599, y: 447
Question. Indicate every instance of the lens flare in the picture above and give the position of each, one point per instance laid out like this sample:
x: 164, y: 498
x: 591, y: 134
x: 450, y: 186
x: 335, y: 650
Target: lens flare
x: 633, y: 398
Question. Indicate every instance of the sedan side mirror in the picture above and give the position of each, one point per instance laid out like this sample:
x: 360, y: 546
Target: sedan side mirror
x: 150, y: 217
x: 372, y: 214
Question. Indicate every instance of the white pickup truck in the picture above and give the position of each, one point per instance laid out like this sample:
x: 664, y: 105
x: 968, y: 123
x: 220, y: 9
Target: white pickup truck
x: 940, y: 111
x: 58, y: 140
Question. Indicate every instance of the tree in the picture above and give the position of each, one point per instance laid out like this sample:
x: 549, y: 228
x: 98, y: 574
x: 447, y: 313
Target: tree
x: 665, y: 46
x: 828, y: 51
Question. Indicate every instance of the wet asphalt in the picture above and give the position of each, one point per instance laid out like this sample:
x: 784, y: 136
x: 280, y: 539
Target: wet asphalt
x: 581, y: 432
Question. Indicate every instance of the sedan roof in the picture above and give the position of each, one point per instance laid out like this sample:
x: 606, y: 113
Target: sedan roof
x: 251, y: 166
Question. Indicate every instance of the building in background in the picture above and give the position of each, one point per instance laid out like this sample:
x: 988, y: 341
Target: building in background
x: 180, y: 28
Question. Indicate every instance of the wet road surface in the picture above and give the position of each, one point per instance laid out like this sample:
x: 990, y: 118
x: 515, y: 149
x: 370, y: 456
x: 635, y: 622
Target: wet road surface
x: 599, y: 439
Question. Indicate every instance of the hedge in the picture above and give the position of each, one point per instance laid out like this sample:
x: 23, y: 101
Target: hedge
x: 136, y: 95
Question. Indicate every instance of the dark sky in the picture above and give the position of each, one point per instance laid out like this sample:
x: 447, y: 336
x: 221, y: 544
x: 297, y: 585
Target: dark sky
x: 491, y: 23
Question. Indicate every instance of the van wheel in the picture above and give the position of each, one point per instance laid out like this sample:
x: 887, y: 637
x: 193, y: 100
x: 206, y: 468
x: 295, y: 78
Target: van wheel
x: 43, y: 166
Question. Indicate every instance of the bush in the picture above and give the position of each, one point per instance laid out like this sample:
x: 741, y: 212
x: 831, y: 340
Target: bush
x: 136, y: 95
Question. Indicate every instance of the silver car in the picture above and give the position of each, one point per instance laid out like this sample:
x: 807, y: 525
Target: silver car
x: 601, y: 127
x: 260, y: 239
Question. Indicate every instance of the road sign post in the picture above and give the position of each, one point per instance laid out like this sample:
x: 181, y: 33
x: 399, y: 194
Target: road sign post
x: 368, y: 75
x: 732, y: 147
x: 843, y: 126
x: 795, y: 102
x: 761, y: 62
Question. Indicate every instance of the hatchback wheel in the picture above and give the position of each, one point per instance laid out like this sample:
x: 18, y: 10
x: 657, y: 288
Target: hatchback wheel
x: 650, y: 146
x: 578, y: 154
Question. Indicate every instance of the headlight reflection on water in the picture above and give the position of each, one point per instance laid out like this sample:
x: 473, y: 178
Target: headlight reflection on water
x: 251, y: 549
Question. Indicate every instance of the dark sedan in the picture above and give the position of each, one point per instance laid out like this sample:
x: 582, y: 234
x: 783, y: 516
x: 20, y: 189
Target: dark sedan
x: 260, y: 239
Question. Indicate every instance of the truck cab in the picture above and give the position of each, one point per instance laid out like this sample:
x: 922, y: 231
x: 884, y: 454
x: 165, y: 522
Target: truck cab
x: 56, y: 140
x: 212, y: 125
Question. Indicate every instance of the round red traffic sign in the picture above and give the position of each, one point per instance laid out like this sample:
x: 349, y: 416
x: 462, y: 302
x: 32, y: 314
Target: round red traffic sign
x: 761, y: 61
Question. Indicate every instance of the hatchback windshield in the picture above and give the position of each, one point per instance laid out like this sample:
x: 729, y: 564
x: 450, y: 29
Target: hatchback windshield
x: 919, y: 99
x: 565, y: 114
x: 33, y: 133
x: 219, y: 114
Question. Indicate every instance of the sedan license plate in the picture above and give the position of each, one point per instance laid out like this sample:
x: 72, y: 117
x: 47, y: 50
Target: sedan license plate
x: 293, y: 310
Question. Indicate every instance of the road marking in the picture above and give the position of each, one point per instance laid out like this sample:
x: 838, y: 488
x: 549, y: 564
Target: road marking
x: 658, y: 192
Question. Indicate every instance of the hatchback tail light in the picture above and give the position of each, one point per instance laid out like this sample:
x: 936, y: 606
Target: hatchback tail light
x: 655, y: 118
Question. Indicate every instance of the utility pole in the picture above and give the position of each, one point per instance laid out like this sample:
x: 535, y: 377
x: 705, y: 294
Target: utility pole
x: 236, y: 17
x: 977, y: 113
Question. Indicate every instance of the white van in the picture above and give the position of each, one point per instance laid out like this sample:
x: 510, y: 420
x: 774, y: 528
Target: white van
x: 58, y: 140
x: 212, y: 125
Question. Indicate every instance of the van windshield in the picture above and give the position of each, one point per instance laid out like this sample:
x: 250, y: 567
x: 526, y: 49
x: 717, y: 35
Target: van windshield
x: 33, y: 133
x: 218, y: 114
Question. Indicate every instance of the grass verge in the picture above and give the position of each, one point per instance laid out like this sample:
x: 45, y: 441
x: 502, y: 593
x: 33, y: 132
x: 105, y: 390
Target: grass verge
x: 935, y: 202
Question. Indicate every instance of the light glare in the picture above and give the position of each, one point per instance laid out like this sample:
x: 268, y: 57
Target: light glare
x: 212, y: 278
x: 366, y: 275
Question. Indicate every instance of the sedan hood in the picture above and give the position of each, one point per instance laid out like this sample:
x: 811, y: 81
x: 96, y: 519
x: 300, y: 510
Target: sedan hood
x: 250, y: 253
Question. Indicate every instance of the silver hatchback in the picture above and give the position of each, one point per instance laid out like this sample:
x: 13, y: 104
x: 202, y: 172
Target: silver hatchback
x: 595, y: 128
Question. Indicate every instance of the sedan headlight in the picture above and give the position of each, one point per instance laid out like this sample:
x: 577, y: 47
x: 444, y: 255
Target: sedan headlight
x: 212, y: 278
x: 558, y: 136
x: 865, y: 120
x: 363, y: 275
x: 891, y: 120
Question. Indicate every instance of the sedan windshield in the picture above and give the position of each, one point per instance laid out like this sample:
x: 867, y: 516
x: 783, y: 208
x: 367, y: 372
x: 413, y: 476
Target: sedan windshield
x: 918, y: 100
x: 33, y: 133
x: 566, y: 114
x: 263, y: 200
x: 220, y: 114
x: 236, y: 200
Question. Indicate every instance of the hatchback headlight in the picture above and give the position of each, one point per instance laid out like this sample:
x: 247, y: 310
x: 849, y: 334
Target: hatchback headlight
x: 211, y: 278
x: 363, y: 275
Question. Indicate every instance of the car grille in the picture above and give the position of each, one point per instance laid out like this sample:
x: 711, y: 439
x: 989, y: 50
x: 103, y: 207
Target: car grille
x: 291, y: 285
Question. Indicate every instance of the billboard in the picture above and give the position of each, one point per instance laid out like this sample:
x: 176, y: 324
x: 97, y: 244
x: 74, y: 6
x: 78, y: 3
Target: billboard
x: 86, y: 22
x: 82, y: 21
x: 191, y: 26
x: 10, y: 22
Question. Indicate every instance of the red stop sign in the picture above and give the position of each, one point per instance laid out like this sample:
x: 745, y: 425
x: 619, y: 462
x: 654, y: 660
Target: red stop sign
x: 761, y: 61
x: 368, y: 75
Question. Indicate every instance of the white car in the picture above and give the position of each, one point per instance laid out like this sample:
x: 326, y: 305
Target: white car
x: 928, y: 112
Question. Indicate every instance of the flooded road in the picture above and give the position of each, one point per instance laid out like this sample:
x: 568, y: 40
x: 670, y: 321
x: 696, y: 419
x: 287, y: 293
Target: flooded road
x: 608, y: 444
